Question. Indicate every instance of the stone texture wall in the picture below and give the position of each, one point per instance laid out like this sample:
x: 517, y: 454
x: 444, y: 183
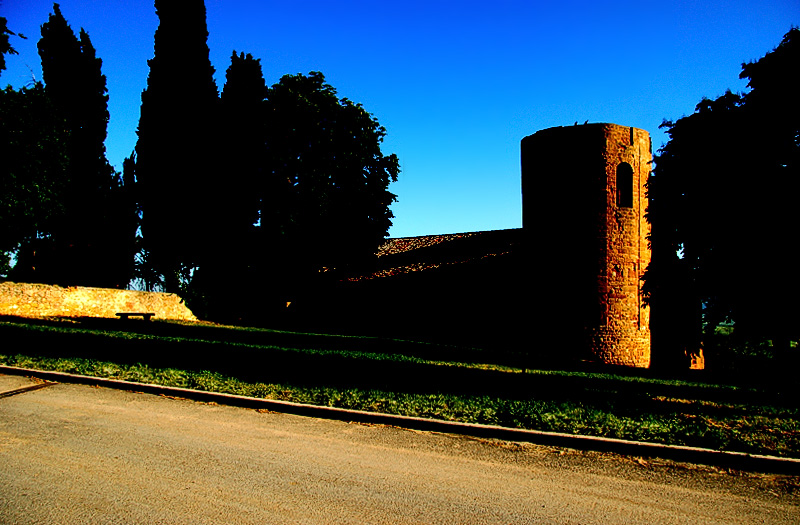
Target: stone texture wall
x: 42, y: 300
x: 588, y: 240
x: 623, y: 336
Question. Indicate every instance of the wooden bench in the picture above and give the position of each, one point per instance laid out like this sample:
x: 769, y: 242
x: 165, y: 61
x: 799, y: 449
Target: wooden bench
x: 127, y: 315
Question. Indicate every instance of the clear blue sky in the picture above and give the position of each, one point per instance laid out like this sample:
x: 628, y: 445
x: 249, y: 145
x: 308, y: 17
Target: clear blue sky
x: 456, y: 84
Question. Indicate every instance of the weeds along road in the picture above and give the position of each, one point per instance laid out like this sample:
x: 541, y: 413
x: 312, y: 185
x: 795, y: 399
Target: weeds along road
x: 80, y: 454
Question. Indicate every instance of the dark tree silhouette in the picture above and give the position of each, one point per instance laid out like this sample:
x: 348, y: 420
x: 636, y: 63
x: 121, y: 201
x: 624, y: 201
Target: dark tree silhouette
x: 232, y: 259
x: 91, y: 243
x: 257, y: 185
x: 74, y: 82
x: 324, y: 153
x: 177, y: 170
x: 244, y: 144
x: 33, y: 149
x: 5, y: 43
x: 723, y: 196
x: 306, y: 188
x: 244, y: 140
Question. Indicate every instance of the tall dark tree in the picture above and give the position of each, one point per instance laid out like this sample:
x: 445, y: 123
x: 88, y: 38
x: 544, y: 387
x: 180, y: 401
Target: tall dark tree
x: 232, y: 259
x: 243, y: 185
x: 33, y: 149
x: 75, y: 83
x: 722, y: 196
x: 90, y: 244
x: 772, y: 112
x: 244, y: 142
x: 176, y: 154
x: 325, y: 153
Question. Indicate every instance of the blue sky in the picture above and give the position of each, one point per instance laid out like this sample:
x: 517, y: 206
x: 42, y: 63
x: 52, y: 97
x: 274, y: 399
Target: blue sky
x: 456, y: 84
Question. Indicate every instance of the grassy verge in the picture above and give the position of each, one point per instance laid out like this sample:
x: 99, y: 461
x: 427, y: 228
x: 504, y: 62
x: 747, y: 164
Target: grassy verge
x: 407, y: 378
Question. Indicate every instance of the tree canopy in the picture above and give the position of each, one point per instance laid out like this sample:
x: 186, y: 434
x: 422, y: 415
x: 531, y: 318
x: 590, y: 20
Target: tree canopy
x: 58, y: 170
x: 243, y: 142
x: 722, y: 209
x: 5, y: 43
x: 256, y: 186
x: 232, y: 258
x: 327, y: 153
x: 306, y: 186
x: 33, y: 150
x: 176, y: 152
x: 260, y: 187
x: 76, y: 85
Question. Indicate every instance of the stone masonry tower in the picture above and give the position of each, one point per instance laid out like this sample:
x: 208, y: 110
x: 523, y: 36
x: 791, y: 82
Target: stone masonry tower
x: 583, y: 206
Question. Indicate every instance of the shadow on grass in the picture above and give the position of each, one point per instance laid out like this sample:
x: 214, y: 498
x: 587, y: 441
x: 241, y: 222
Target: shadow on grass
x: 368, y: 363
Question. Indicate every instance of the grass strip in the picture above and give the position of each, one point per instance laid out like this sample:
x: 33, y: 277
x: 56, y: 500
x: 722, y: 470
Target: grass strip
x: 349, y: 347
x: 743, y: 428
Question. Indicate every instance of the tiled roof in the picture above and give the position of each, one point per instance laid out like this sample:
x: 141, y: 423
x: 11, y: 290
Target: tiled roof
x: 405, y: 244
x: 406, y: 255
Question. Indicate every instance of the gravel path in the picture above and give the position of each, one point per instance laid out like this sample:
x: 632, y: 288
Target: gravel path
x: 80, y: 454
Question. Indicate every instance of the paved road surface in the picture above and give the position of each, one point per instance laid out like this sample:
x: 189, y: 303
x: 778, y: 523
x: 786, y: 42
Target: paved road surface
x: 79, y: 454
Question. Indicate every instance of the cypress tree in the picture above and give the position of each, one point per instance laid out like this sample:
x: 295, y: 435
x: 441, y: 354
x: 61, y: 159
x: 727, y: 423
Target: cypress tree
x: 176, y: 168
x: 231, y: 259
x: 244, y: 140
x: 88, y: 245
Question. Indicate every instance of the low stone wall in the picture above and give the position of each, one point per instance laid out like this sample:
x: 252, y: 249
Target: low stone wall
x: 42, y: 300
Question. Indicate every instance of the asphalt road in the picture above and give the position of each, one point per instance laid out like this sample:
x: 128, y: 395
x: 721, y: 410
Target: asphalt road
x: 80, y: 454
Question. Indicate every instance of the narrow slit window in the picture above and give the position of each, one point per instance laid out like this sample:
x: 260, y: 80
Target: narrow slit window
x: 624, y: 186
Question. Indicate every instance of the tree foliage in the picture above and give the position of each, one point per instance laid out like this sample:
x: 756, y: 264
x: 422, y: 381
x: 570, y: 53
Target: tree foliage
x: 722, y: 196
x: 33, y: 140
x: 244, y: 142
x: 84, y: 235
x: 306, y: 187
x: 77, y: 87
x: 325, y: 154
x: 233, y: 260
x: 5, y: 43
x: 92, y: 241
x: 176, y: 153
x: 256, y: 188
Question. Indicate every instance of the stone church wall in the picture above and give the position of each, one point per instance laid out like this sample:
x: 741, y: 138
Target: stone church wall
x: 42, y: 300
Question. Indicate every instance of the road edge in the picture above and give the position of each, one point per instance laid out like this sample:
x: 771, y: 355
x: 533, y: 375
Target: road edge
x: 716, y: 458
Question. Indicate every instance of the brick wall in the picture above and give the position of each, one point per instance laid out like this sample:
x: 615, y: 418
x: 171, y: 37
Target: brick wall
x: 588, y: 242
x: 623, y: 336
x: 42, y: 300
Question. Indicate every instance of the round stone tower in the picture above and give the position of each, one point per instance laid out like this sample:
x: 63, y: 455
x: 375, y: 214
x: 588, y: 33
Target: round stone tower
x: 583, y: 206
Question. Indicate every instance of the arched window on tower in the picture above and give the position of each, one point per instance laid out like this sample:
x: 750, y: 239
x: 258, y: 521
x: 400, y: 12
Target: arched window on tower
x: 624, y: 185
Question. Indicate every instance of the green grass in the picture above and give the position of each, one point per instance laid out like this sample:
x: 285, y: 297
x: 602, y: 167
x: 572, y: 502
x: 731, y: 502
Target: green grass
x: 418, y: 379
